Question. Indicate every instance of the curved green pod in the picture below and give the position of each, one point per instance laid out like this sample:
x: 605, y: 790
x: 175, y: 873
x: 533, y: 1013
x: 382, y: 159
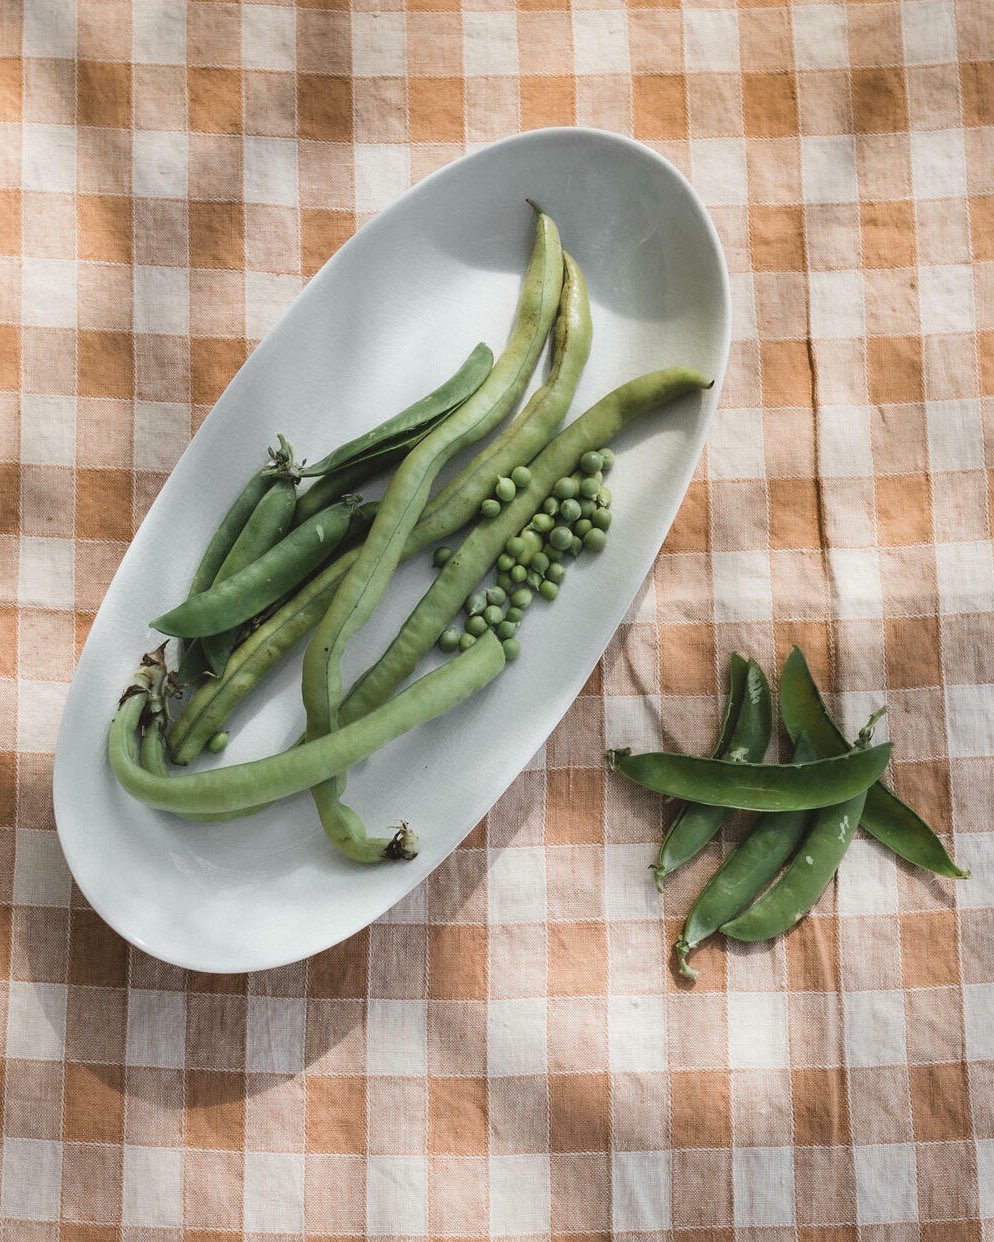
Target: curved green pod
x: 377, y: 450
x: 885, y: 816
x: 245, y: 785
x: 755, y: 786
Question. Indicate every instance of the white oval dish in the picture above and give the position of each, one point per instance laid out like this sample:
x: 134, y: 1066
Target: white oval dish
x: 386, y: 319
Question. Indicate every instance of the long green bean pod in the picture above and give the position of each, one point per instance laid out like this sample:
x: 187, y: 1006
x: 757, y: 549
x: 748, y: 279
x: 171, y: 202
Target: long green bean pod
x: 246, y: 785
x: 485, y: 542
x: 255, y: 658
x: 531, y: 430
x: 885, y: 816
x: 755, y: 786
x: 405, y: 499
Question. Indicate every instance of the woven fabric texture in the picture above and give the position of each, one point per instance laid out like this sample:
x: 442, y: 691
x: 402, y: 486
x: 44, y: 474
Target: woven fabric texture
x: 508, y: 1054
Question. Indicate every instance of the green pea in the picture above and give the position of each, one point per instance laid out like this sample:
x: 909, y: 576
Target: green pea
x: 506, y: 629
x: 534, y: 579
x: 581, y: 528
x: 605, y: 496
x: 602, y: 518
x: 505, y: 582
x: 512, y: 649
x: 576, y: 545
x: 515, y: 615
x: 519, y: 573
x: 566, y: 488
x: 496, y: 595
x: 569, y: 510
x: 521, y: 598
x: 521, y: 476
x: 490, y: 508
x: 533, y: 544
x: 440, y: 556
x: 590, y: 487
x: 540, y: 562
x: 448, y: 640
x: 543, y: 523
x: 548, y: 590
x: 561, y: 538
x: 217, y: 742
x: 476, y: 625
x: 475, y: 603
x: 550, y: 506
x: 514, y: 546
x: 505, y: 489
x: 607, y: 457
x: 552, y: 553
x: 505, y: 562
x: 556, y: 573
x: 591, y: 462
x: 587, y: 507
x: 493, y: 615
x: 466, y: 641
x: 595, y: 539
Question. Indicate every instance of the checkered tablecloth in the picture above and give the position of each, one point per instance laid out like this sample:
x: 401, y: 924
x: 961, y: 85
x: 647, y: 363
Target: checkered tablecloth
x: 170, y: 175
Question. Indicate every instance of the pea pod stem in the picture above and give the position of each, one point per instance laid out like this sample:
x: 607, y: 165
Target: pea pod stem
x: 246, y: 785
x: 885, y: 816
x: 745, y: 872
x: 485, y: 542
x: 747, y: 742
x: 754, y: 786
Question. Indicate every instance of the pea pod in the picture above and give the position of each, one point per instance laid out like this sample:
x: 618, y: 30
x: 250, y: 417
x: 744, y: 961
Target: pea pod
x: 234, y: 599
x: 749, y: 737
x: 245, y: 785
x: 480, y: 549
x: 259, y: 654
x: 405, y: 498
x: 755, y: 786
x: 737, y: 667
x: 745, y: 872
x: 806, y: 878
x: 349, y: 466
x: 885, y: 816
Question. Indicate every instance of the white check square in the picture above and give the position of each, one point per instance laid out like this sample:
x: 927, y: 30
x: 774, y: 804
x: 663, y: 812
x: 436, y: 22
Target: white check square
x: 886, y: 1185
x: 875, y: 1030
x: 763, y: 1186
x: 641, y: 1190
x: 153, y: 1187
x: 519, y: 1194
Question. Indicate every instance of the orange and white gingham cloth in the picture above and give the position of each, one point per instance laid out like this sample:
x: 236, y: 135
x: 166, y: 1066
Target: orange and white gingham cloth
x: 507, y: 1054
